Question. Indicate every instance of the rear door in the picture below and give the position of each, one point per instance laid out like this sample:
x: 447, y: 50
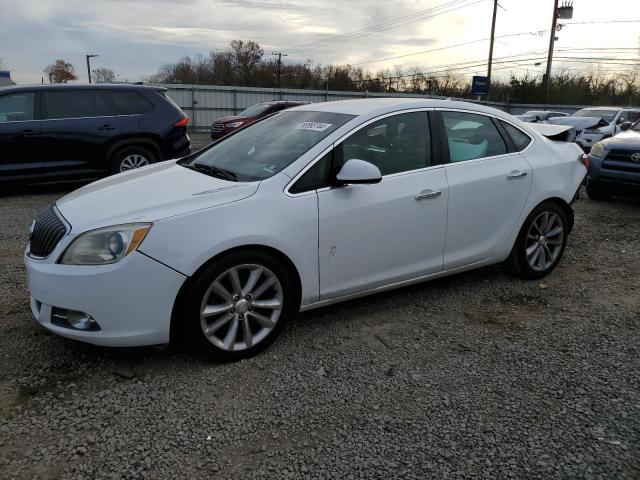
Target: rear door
x: 489, y: 182
x: 20, y: 144
x: 76, y: 129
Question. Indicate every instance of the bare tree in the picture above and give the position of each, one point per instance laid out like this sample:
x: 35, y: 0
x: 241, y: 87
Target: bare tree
x: 61, y: 72
x: 1, y: 63
x: 104, y: 75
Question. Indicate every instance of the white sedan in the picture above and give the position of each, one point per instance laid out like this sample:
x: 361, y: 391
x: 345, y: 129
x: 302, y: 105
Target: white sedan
x: 309, y: 207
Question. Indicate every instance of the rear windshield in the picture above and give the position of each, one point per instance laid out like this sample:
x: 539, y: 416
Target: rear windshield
x: 267, y: 147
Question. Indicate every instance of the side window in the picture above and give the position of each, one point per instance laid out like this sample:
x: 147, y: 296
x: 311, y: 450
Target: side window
x: 399, y: 143
x: 314, y: 178
x: 518, y: 137
x: 73, y: 104
x: 129, y: 102
x: 472, y: 136
x: 634, y: 116
x: 17, y: 107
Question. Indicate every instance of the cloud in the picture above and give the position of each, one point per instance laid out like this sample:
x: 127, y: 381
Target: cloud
x: 135, y: 37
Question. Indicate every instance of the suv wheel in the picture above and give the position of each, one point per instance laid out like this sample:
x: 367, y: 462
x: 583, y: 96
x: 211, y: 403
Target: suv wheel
x: 540, y: 243
x: 130, y: 158
x: 238, y: 306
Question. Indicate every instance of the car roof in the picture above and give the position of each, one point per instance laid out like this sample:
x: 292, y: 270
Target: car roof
x: 613, y: 109
x: 285, y: 102
x: 382, y: 105
x: 80, y: 86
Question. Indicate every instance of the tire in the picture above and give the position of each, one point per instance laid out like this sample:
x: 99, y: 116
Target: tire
x: 130, y: 158
x: 238, y: 318
x: 526, y: 259
x: 595, y: 194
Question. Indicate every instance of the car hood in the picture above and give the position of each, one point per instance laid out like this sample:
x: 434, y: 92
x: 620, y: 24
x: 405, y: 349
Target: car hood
x: 623, y: 141
x: 147, y: 194
x: 579, y: 123
x: 230, y: 118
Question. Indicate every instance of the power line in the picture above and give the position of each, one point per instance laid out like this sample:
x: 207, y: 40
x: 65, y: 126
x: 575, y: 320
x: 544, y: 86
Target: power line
x: 445, y: 48
x: 388, y: 25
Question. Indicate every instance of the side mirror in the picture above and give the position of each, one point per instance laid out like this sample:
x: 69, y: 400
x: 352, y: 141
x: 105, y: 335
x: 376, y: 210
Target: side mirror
x: 619, y: 121
x: 625, y: 126
x: 358, y: 171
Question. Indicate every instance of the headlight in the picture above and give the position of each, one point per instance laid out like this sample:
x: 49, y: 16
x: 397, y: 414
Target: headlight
x: 597, y: 149
x: 105, y: 245
x: 233, y: 124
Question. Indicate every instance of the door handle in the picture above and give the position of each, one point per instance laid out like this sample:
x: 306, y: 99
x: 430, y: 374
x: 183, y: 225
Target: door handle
x: 428, y: 194
x: 28, y: 132
x: 516, y: 174
x: 106, y: 127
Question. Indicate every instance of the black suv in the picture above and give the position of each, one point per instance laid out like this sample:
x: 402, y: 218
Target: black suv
x: 67, y: 131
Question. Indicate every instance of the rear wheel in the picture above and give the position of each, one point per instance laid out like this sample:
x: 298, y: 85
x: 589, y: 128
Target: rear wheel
x: 596, y: 194
x: 540, y: 243
x: 130, y: 158
x: 238, y: 306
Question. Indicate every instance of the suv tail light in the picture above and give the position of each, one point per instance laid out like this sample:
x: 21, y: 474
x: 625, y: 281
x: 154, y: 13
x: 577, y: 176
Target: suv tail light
x: 183, y: 122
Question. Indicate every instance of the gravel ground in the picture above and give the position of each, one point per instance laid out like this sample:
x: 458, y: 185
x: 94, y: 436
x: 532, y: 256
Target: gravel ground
x: 474, y: 376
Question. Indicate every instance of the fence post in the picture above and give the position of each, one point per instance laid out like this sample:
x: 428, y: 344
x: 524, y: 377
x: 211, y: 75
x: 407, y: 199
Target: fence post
x: 194, y: 109
x: 235, y: 100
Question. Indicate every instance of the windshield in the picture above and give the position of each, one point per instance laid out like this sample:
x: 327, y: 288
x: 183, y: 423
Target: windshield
x: 607, y: 115
x: 254, y: 111
x: 267, y: 147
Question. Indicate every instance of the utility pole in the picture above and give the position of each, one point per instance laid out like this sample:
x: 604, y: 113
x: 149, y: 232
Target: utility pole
x: 89, y: 65
x: 280, y: 55
x: 552, y: 41
x: 493, y: 32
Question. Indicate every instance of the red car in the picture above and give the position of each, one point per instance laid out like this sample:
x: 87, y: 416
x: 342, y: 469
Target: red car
x: 224, y: 126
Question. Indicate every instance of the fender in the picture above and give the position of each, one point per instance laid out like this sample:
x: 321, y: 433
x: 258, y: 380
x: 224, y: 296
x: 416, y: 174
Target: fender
x: 153, y: 145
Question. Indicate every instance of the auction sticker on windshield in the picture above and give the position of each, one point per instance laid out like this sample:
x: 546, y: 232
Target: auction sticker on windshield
x: 314, y: 126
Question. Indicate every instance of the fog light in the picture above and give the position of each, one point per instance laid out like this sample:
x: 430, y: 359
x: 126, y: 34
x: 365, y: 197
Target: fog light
x: 73, y: 319
x: 79, y: 320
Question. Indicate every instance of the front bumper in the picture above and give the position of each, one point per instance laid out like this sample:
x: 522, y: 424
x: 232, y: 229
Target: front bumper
x: 131, y: 300
x: 613, y: 176
x: 586, y: 140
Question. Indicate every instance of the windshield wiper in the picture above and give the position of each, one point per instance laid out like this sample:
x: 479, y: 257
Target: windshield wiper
x: 213, y: 171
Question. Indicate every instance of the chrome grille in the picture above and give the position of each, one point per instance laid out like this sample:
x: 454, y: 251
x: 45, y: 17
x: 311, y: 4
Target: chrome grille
x: 48, y: 230
x: 217, y: 127
x: 621, y: 155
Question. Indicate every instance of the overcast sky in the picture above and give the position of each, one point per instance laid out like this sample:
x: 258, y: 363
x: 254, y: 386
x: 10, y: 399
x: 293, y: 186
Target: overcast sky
x: 135, y: 37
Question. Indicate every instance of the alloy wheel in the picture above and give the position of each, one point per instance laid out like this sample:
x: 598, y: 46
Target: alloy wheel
x: 132, y: 161
x: 241, y: 307
x: 544, y: 240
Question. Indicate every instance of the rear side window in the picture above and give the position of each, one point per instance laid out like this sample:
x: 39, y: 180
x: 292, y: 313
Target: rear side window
x: 17, y: 107
x: 129, y: 102
x: 472, y: 136
x: 518, y: 137
x: 74, y: 104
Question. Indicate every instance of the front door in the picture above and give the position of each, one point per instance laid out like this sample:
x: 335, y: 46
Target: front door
x: 488, y: 188
x: 19, y: 135
x: 379, y: 234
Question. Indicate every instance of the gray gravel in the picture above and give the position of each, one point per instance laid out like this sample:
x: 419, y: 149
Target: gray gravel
x: 474, y: 376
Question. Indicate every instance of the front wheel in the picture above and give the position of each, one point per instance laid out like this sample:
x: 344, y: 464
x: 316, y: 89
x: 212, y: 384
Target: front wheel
x: 540, y: 243
x: 238, y: 306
